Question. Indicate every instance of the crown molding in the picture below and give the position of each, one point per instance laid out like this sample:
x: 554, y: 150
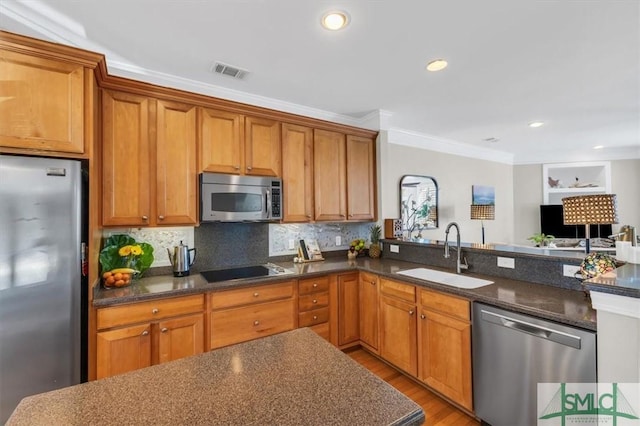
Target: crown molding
x: 434, y: 143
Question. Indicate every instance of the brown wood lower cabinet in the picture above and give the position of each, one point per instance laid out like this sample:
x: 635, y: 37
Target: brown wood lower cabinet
x: 248, y: 313
x: 138, y: 335
x: 348, y: 309
x: 444, y: 346
x: 313, y: 305
x: 398, y: 333
x: 369, y: 309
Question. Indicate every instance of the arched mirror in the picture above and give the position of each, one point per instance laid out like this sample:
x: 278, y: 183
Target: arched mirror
x: 418, y: 205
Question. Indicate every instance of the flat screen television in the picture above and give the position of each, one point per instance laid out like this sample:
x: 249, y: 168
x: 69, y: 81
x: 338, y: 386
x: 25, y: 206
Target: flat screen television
x: 552, y: 223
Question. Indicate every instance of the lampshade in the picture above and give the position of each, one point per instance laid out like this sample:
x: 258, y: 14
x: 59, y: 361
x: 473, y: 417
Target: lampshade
x: 482, y: 211
x: 590, y: 209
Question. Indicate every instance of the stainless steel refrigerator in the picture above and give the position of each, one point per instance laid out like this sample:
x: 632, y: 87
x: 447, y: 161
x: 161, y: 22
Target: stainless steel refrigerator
x: 43, y: 303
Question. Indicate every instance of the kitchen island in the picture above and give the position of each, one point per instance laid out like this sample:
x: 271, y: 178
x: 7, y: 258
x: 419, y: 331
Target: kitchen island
x: 291, y: 378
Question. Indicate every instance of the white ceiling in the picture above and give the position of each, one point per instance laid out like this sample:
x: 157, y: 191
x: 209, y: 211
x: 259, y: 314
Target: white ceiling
x: 573, y: 64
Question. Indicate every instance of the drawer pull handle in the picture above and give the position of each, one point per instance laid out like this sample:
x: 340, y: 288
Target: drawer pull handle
x: 256, y: 322
x: 315, y: 301
x: 155, y: 310
x: 256, y: 294
x: 411, y: 312
x: 164, y: 330
x: 423, y: 316
x: 146, y: 332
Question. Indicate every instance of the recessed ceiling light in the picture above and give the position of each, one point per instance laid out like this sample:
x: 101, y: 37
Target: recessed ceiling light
x: 335, y: 21
x: 535, y: 124
x: 598, y: 147
x: 437, y: 65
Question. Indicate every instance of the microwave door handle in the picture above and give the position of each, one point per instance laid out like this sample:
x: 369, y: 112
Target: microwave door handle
x: 267, y: 198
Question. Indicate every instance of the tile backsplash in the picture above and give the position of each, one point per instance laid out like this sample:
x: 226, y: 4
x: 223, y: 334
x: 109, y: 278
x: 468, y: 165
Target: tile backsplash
x: 280, y: 235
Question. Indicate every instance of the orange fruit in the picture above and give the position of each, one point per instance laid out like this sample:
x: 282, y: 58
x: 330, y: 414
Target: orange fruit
x: 119, y: 283
x: 110, y: 280
x: 117, y: 276
x: 106, y: 275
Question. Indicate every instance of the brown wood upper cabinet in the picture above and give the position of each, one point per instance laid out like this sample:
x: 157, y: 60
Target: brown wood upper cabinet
x: 297, y: 173
x: 344, y: 177
x: 238, y: 144
x: 149, y: 161
x: 44, y: 103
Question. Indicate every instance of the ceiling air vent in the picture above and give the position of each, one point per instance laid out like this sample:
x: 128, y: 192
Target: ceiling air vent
x: 229, y: 70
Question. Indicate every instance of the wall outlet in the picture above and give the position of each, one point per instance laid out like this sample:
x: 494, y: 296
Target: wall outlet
x: 394, y: 248
x: 338, y: 240
x: 570, y: 270
x: 506, y: 262
x: 292, y: 245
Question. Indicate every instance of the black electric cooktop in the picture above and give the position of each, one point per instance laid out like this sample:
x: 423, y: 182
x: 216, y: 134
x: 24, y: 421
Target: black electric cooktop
x: 243, y: 272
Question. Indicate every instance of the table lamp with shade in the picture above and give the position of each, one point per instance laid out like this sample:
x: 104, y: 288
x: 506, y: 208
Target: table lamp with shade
x: 482, y: 212
x: 599, y: 209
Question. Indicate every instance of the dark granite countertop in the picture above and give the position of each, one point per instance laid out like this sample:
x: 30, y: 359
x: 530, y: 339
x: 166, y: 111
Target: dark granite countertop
x: 565, y: 306
x: 291, y: 378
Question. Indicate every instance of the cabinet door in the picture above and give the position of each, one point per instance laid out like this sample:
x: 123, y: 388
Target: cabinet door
x: 369, y: 302
x: 398, y: 334
x: 221, y: 142
x: 42, y: 104
x: 180, y: 337
x: 122, y: 350
x: 329, y: 175
x: 361, y: 178
x: 125, y: 159
x: 297, y: 173
x: 445, y: 356
x: 262, y: 147
x: 348, y: 307
x: 176, y: 174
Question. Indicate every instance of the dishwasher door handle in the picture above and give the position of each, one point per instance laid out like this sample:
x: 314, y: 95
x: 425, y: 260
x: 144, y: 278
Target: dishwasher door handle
x: 542, y: 332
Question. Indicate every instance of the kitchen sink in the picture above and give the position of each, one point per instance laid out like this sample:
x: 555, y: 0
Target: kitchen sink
x: 446, y: 278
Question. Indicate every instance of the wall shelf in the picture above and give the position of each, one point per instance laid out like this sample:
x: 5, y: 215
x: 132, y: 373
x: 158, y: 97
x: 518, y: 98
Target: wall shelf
x: 573, y: 179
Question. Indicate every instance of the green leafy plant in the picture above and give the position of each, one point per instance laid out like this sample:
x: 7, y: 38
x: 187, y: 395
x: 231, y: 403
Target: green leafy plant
x: 541, y: 239
x: 122, y: 251
x: 374, y: 233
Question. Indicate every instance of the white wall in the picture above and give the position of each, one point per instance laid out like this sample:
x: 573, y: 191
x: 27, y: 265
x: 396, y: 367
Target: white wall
x: 455, y: 176
x: 527, y: 185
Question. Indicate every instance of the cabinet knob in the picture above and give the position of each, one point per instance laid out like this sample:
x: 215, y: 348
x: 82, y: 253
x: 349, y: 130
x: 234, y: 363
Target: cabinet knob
x: 249, y: 168
x: 315, y: 301
x: 237, y: 167
x: 256, y: 322
x: 155, y: 310
x: 350, y: 215
x: 308, y: 216
x: 145, y: 218
x: 411, y: 312
x: 315, y: 317
x: 342, y: 215
x: 423, y: 316
x: 373, y: 283
x: 256, y: 294
x: 315, y: 285
x: 146, y: 332
x: 161, y: 217
x: 164, y: 330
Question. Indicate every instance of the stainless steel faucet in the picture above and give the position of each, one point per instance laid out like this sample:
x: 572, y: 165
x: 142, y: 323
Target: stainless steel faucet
x: 459, y: 265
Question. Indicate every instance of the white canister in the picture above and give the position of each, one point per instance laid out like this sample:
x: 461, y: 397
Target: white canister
x: 633, y: 255
x: 623, y: 249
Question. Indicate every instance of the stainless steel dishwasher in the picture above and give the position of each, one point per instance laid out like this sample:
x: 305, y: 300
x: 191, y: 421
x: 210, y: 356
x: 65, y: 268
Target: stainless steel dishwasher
x: 513, y: 352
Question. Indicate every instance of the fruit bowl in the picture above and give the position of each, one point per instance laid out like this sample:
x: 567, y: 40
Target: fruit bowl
x: 120, y: 277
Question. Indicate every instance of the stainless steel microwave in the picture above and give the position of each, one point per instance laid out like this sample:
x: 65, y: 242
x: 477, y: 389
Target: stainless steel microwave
x: 231, y: 198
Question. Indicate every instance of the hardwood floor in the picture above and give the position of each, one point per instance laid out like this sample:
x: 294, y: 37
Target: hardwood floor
x: 437, y: 411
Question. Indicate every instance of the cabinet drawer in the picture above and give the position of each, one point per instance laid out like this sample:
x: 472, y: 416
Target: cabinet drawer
x: 245, y: 296
x: 318, y: 316
x: 313, y: 301
x: 236, y: 325
x: 444, y: 303
x: 313, y: 285
x: 396, y: 289
x: 147, y: 311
